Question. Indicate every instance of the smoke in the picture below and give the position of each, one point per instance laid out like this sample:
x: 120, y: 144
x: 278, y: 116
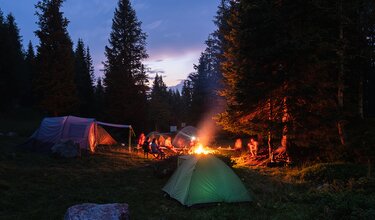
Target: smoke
x: 208, y: 128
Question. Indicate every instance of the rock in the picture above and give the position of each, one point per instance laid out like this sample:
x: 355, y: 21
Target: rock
x: 67, y: 149
x: 92, y: 211
x: 11, y: 134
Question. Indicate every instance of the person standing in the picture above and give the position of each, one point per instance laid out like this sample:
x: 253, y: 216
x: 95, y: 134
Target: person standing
x: 168, y: 145
x: 141, y: 140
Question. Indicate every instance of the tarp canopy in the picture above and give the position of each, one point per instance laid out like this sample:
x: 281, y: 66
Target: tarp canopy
x: 205, y: 179
x: 113, y: 125
x: 85, y: 131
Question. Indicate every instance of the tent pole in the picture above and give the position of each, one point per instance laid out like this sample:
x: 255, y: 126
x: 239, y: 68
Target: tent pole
x: 130, y: 138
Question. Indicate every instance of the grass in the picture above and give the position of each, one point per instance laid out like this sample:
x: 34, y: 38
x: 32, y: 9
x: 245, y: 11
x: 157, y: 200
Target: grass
x: 35, y: 186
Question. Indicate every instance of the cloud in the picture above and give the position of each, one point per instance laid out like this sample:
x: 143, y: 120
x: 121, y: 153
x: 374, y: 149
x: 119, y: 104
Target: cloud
x: 162, y: 54
x: 175, y: 66
x: 155, y: 71
x: 154, y: 25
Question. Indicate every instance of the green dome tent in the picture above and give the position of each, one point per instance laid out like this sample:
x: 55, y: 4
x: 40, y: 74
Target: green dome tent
x: 205, y: 179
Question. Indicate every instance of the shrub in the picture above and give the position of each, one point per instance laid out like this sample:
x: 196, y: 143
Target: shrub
x: 332, y: 171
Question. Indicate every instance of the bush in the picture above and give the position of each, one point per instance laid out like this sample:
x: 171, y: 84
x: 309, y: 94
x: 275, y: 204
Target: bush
x: 328, y: 172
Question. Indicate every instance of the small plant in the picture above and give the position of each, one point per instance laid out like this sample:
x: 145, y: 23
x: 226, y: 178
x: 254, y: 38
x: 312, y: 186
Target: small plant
x: 329, y: 172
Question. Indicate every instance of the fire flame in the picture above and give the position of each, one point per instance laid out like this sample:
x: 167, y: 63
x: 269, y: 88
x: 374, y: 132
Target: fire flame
x: 200, y: 150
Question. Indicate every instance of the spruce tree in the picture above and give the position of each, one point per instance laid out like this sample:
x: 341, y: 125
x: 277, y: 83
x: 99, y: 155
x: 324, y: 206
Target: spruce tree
x: 159, y: 111
x: 201, y: 82
x: 175, y: 107
x: 12, y: 65
x: 297, y: 69
x: 4, y: 96
x: 125, y: 78
x: 90, y: 65
x: 84, y: 79
x: 99, y: 99
x: 54, y: 77
x: 186, y: 100
x: 28, y: 99
x: 274, y: 72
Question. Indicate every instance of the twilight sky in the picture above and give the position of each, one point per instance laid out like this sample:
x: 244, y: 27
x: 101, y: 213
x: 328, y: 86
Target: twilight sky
x: 176, y: 29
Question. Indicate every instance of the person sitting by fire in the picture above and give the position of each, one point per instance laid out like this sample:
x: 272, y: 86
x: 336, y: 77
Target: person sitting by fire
x: 161, y: 141
x: 146, y: 147
x: 238, y: 144
x: 140, y: 142
x: 169, y: 146
x: 253, y: 146
x: 155, y: 149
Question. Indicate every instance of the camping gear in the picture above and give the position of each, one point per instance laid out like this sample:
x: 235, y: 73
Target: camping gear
x: 160, y: 137
x: 202, y: 179
x: 86, y: 132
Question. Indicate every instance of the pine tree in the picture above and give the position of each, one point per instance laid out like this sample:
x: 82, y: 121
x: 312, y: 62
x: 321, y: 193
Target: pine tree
x: 176, y: 107
x: 186, y: 99
x: 276, y: 78
x: 28, y: 99
x: 125, y: 78
x: 202, y: 89
x: 207, y: 80
x: 90, y: 65
x: 84, y: 78
x: 159, y: 111
x: 12, y: 65
x: 4, y: 96
x: 54, y: 77
x: 99, y: 99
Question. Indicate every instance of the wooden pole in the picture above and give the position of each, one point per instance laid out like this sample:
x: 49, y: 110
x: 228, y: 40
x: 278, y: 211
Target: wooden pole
x: 130, y: 138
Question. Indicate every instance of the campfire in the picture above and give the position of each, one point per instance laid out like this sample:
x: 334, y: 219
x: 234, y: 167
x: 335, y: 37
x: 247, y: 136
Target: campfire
x: 200, y: 149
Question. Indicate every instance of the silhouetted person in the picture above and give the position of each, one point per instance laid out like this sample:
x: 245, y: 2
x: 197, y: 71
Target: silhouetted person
x: 146, y: 147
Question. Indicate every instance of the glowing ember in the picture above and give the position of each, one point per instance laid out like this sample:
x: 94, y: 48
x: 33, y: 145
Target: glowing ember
x: 201, y: 150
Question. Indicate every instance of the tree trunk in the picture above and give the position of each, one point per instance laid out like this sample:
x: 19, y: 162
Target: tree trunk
x: 340, y: 79
x: 270, y: 151
x: 285, y: 121
x: 360, y: 97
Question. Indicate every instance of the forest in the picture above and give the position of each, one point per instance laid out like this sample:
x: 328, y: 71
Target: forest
x: 295, y: 76
x: 298, y: 74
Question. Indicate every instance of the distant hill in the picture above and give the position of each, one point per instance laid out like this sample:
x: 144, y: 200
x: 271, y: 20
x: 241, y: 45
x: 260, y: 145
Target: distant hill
x: 178, y: 86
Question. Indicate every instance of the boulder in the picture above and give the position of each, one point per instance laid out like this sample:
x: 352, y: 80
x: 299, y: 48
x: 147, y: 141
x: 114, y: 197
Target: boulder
x: 66, y: 149
x: 92, y: 211
x: 11, y: 134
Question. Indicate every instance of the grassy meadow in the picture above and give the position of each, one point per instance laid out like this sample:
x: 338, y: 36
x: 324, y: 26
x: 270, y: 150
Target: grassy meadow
x: 37, y: 186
